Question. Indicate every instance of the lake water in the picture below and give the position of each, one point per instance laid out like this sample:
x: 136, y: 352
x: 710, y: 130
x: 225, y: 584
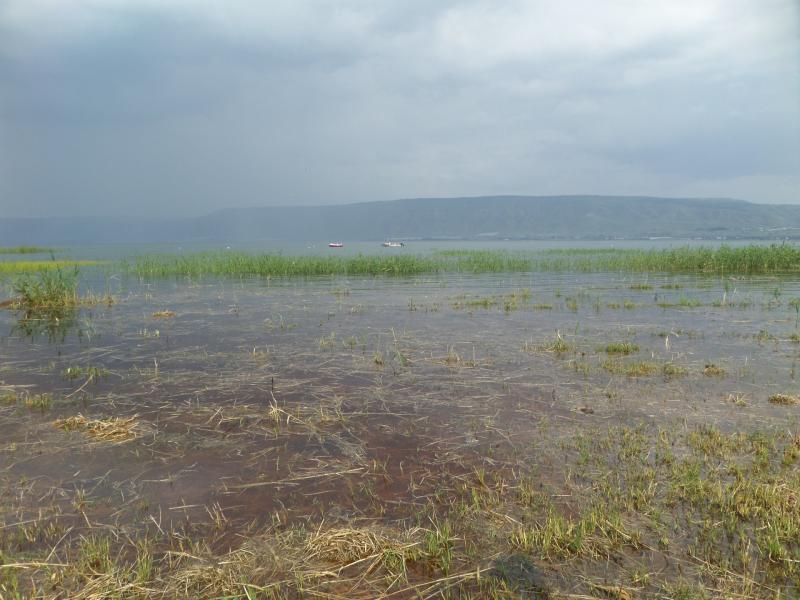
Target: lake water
x: 257, y: 405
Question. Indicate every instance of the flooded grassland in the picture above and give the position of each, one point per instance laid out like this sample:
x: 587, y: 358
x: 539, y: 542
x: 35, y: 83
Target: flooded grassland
x: 505, y: 435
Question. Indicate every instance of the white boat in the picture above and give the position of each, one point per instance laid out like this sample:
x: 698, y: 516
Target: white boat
x: 336, y: 245
x: 390, y: 244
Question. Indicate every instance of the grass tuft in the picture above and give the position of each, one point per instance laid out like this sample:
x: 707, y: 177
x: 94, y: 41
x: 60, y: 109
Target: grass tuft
x: 784, y: 399
x: 55, y: 288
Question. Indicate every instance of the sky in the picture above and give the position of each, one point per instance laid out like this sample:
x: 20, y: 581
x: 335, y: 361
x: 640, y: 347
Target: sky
x: 181, y: 107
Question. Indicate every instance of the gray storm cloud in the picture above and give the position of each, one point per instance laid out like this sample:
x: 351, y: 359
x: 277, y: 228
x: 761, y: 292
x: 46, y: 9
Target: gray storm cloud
x: 124, y: 107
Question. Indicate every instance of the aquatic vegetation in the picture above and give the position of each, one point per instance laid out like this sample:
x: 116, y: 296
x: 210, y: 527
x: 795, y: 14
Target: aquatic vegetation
x: 51, y: 288
x: 112, y: 429
x: 672, y: 370
x: 621, y: 348
x: 752, y: 259
x: 90, y: 372
x: 558, y: 345
x: 24, y: 250
x: 631, y: 369
x: 11, y: 268
x: 784, y: 399
x: 40, y: 402
x: 722, y: 260
x: 712, y: 370
x: 164, y: 314
x: 683, y: 302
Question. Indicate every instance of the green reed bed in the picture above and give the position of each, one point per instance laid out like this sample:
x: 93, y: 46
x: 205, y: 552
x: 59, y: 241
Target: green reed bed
x: 241, y: 264
x: 747, y: 260
x: 744, y: 260
x: 18, y: 267
x: 277, y: 265
x: 24, y: 250
x: 48, y: 289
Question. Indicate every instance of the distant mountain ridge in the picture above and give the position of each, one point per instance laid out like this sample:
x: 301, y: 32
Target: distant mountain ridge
x: 482, y: 217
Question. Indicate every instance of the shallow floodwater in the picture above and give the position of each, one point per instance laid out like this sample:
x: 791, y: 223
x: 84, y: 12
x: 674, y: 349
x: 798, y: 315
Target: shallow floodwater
x: 258, y: 401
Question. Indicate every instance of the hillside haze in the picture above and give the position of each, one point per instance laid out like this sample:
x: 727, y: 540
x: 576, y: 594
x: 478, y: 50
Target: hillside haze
x: 485, y: 217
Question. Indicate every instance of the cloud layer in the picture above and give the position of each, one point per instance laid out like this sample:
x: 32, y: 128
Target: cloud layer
x: 123, y: 106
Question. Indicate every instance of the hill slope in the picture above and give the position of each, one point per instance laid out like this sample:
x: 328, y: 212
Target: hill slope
x: 534, y: 217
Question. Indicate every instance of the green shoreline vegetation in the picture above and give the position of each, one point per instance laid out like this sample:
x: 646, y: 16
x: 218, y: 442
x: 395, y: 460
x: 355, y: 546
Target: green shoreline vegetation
x: 745, y: 260
x: 24, y: 250
x: 33, y: 266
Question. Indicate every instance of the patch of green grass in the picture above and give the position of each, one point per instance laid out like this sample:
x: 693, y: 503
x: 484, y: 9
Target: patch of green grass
x: 631, y: 369
x: 557, y: 345
x: 745, y: 260
x: 24, y: 250
x: 751, y: 259
x: 10, y: 268
x: 51, y: 288
x: 682, y: 302
x: 672, y: 370
x: 621, y: 348
x: 40, y: 402
x: 240, y: 264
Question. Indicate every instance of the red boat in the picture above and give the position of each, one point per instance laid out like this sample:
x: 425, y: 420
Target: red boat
x: 336, y: 245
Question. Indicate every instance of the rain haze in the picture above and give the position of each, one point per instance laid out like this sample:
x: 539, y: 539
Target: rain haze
x: 117, y: 107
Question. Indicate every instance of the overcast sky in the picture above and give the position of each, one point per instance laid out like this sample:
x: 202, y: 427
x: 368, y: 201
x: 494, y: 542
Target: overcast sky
x: 184, y: 106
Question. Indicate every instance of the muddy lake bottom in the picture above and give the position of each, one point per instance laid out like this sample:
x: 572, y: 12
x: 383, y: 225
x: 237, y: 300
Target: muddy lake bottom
x: 487, y: 436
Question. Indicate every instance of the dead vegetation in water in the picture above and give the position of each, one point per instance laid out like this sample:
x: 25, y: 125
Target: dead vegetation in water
x: 113, y: 429
x: 327, y: 474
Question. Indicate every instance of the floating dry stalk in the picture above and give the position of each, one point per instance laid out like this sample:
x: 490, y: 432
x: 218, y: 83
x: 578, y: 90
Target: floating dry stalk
x: 164, y: 314
x: 112, y: 430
